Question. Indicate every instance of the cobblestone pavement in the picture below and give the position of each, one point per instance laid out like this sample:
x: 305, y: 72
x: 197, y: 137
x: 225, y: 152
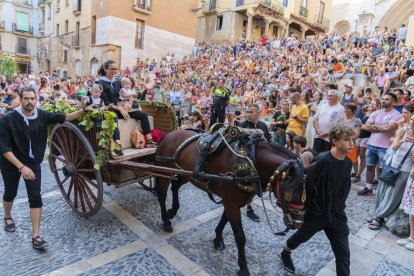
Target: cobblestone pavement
x: 125, y: 238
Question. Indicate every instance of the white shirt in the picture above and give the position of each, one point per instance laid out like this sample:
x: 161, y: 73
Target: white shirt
x: 328, y: 116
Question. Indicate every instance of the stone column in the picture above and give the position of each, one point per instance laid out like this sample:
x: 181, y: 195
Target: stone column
x: 303, y: 32
x: 267, y: 25
x: 410, y: 34
x: 249, y: 26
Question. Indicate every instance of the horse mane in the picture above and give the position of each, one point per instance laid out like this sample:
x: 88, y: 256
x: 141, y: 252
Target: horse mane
x: 284, y: 150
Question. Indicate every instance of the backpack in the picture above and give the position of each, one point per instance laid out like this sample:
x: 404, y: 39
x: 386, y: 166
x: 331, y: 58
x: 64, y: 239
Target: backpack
x: 138, y: 139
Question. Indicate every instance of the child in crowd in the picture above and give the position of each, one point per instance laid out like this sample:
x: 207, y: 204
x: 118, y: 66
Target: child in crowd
x: 94, y: 97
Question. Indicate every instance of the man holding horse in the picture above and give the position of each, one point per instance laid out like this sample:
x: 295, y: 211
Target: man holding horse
x: 328, y: 186
x: 252, y: 122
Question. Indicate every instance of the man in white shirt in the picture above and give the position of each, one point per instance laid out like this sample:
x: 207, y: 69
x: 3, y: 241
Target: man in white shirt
x: 326, y: 117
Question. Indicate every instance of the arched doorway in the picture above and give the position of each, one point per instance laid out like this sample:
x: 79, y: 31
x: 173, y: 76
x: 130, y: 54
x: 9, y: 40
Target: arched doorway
x: 94, y: 66
x: 309, y: 33
x: 295, y: 29
x: 398, y: 14
x: 342, y: 26
x: 78, y: 67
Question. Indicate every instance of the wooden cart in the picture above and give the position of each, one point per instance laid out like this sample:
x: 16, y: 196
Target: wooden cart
x: 72, y: 157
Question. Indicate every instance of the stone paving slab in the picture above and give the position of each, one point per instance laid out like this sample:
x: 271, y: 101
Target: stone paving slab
x: 71, y: 238
x: 143, y: 262
x: 125, y: 238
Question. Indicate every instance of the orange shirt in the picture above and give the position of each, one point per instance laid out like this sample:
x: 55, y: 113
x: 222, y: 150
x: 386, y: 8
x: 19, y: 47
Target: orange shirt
x: 338, y: 67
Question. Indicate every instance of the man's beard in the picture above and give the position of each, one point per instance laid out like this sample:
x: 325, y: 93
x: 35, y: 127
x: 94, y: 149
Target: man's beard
x: 28, y: 107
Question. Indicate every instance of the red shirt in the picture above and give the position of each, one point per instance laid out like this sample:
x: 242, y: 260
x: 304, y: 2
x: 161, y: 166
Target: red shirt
x: 264, y: 39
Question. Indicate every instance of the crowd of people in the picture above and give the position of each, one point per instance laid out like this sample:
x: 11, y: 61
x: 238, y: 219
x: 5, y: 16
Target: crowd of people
x: 300, y: 90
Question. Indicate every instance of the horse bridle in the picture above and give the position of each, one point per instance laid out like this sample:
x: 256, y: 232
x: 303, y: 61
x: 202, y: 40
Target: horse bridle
x: 276, y: 180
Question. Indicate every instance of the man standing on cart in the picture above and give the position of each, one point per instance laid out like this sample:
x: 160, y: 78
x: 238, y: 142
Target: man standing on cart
x: 23, y: 138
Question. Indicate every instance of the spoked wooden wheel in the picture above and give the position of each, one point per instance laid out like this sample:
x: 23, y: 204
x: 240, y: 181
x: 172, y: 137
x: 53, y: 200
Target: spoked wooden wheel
x: 71, y: 160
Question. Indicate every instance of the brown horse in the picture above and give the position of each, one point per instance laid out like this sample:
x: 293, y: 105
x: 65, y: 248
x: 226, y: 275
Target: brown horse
x: 269, y: 158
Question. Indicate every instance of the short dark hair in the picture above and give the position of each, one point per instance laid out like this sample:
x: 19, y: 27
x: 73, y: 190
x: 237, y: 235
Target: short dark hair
x: 301, y: 140
x: 56, y: 87
x: 399, y: 90
x: 392, y: 95
x: 351, y: 106
x: 254, y: 106
x: 409, y: 108
x: 26, y: 89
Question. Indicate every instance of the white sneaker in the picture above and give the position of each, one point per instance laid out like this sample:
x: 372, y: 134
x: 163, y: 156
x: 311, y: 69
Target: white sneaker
x: 410, y: 246
x: 404, y: 242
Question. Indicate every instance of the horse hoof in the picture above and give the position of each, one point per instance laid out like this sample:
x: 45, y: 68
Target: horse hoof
x: 219, y: 245
x: 243, y: 273
x: 168, y: 228
x: 171, y: 214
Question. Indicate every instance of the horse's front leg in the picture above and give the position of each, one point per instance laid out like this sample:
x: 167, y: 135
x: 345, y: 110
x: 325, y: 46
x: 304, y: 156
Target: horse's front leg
x: 234, y: 217
x: 218, y: 241
x: 175, y: 186
x: 161, y: 187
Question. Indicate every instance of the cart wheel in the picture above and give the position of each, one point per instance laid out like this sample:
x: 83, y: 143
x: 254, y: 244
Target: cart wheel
x: 71, y: 160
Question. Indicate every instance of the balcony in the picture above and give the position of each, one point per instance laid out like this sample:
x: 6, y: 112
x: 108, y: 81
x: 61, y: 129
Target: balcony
x: 303, y: 11
x: 22, y: 50
x: 77, y: 7
x: 211, y: 7
x: 75, y: 41
x: 28, y: 30
x: 321, y: 22
x: 27, y: 3
x: 142, y: 6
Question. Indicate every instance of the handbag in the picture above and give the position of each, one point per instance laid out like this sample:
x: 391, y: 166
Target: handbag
x: 390, y: 174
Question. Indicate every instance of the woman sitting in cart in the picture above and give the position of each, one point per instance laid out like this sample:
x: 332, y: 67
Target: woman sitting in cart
x: 110, y: 96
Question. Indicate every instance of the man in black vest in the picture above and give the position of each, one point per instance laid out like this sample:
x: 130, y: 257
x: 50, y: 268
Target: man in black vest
x: 252, y: 122
x: 23, y: 138
x: 221, y: 97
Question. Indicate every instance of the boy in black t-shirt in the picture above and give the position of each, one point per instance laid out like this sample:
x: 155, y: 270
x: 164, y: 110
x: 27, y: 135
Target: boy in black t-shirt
x: 327, y: 189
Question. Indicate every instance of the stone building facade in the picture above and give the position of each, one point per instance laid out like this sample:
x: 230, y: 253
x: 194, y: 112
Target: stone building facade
x: 84, y: 33
x: 355, y: 15
x: 19, y: 33
x: 220, y: 20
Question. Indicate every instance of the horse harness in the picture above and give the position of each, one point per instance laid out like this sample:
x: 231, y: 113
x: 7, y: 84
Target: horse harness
x: 242, y: 142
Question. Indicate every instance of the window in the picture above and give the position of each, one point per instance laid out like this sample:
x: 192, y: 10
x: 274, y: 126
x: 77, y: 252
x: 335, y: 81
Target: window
x: 212, y: 5
x: 65, y: 56
x: 139, y: 37
x: 57, y: 29
x: 66, y: 26
x: 93, y: 33
x: 22, y: 45
x: 67, y: 3
x: 219, y: 23
x: 57, y: 5
x: 321, y: 12
x: 304, y: 3
x: 22, y: 21
x: 285, y: 3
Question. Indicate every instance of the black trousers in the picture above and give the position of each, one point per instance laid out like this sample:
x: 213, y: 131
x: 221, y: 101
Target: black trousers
x: 337, y: 233
x: 11, y: 178
x: 217, y: 115
x: 137, y: 115
x: 320, y: 145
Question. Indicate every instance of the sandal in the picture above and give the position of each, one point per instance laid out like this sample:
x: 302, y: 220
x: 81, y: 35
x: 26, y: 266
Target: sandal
x: 376, y: 224
x: 9, y: 227
x: 38, y: 243
x: 356, y: 179
x: 151, y: 144
x: 369, y: 219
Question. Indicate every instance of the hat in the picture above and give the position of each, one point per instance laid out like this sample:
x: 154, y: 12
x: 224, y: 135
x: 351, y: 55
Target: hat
x: 348, y: 85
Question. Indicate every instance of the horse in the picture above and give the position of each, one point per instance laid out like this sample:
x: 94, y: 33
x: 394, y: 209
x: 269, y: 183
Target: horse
x: 278, y: 169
